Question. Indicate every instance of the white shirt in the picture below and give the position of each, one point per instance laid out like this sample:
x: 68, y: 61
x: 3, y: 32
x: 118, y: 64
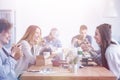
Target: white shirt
x: 27, y: 58
x: 113, y: 58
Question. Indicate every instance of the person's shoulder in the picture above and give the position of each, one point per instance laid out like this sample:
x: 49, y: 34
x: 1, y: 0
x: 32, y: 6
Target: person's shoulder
x: 115, y: 41
x: 112, y: 51
x: 24, y: 43
x: 113, y: 48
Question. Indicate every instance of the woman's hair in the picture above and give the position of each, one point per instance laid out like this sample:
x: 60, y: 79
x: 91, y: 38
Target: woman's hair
x: 4, y: 25
x: 105, y: 34
x: 30, y: 32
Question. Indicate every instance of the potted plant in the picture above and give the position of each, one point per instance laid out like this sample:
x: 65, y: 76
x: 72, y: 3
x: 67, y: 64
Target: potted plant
x: 72, y: 58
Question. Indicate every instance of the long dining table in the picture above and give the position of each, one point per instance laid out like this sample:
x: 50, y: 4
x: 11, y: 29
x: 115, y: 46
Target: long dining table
x: 59, y: 73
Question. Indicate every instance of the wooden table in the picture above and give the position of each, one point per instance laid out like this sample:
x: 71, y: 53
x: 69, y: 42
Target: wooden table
x: 86, y: 73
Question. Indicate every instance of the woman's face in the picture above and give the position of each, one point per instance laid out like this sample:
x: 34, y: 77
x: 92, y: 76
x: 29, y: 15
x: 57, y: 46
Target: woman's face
x: 37, y: 35
x: 97, y: 37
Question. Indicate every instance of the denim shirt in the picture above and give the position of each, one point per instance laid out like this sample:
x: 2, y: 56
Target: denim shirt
x: 7, y: 64
x: 55, y: 42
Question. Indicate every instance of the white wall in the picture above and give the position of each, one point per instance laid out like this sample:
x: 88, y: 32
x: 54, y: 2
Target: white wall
x: 7, y: 4
x: 66, y: 15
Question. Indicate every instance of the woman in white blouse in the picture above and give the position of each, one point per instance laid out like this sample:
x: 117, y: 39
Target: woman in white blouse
x: 110, y: 50
x: 28, y: 44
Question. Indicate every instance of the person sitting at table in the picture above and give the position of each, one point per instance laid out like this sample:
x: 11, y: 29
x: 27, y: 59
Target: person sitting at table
x: 110, y: 50
x: 8, y: 59
x: 51, y: 42
x: 28, y: 43
x: 82, y: 37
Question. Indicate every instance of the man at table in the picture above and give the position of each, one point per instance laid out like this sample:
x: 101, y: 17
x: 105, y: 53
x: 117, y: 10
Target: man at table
x: 83, y: 37
x: 7, y: 61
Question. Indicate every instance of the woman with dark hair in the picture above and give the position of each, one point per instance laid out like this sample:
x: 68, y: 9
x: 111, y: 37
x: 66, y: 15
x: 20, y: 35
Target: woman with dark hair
x: 110, y: 51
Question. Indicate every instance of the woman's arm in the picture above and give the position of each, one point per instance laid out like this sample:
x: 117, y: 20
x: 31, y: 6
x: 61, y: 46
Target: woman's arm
x: 26, y: 49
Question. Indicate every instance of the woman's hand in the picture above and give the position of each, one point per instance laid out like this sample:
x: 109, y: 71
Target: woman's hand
x: 16, y: 51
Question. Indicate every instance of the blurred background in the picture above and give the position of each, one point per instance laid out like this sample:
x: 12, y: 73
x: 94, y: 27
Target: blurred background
x: 66, y: 15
